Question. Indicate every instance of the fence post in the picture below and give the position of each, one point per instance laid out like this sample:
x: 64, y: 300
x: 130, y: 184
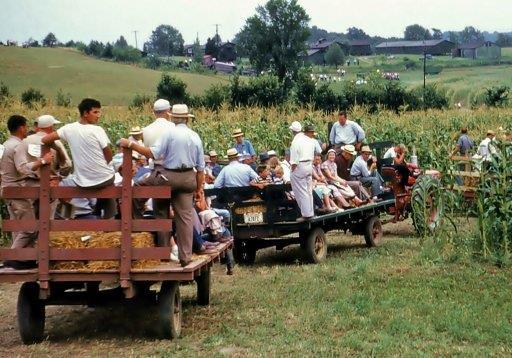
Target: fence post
x: 126, y: 224
x: 43, y: 242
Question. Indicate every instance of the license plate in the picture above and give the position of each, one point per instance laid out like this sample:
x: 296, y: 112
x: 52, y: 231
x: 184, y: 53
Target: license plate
x: 253, y: 218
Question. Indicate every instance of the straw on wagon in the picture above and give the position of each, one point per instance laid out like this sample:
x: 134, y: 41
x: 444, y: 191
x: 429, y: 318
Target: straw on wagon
x: 74, y: 240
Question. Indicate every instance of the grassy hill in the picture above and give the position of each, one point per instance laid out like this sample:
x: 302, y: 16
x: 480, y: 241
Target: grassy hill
x: 51, y: 69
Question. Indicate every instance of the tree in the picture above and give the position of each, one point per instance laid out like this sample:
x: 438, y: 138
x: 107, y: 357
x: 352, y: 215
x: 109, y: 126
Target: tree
x: 353, y: 33
x: 95, y: 48
x: 70, y: 43
x: 334, y: 55
x: 504, y: 40
x: 50, y: 40
x: 437, y: 34
x: 275, y: 37
x: 197, y: 51
x: 121, y: 42
x: 417, y: 33
x: 211, y: 48
x: 470, y: 34
x: 454, y: 37
x: 108, y: 51
x: 165, y: 40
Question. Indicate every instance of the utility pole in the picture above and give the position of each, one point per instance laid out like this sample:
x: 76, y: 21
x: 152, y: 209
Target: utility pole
x: 424, y: 73
x: 217, y: 33
x: 135, y: 32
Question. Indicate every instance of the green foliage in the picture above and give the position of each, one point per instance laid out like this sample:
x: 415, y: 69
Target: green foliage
x: 140, y: 100
x: 5, y: 95
x: 152, y: 61
x: 325, y: 99
x: 126, y: 54
x: 430, y: 97
x: 334, y: 55
x: 494, y: 208
x: 165, y: 40
x: 497, y: 96
x: 172, y: 89
x: 215, y: 96
x: 63, y: 99
x: 416, y: 33
x: 304, y: 87
x: 263, y: 91
x: 50, y: 40
x: 197, y: 52
x: 32, y: 96
x: 268, y: 45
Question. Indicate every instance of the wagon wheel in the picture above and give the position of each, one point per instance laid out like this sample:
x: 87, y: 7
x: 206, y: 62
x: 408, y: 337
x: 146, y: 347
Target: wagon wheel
x: 316, y: 246
x: 203, y: 287
x: 373, y: 231
x: 169, y: 310
x: 244, y: 252
x: 31, y: 313
x: 427, y: 205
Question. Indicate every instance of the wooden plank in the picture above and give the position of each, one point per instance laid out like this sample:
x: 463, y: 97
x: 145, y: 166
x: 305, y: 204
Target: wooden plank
x: 76, y: 192
x: 151, y: 192
x: 20, y: 192
x: 466, y: 174
x: 18, y: 254
x: 86, y: 225
x: 152, y: 225
x: 151, y: 253
x: 85, y: 254
x: 126, y: 223
x: 20, y: 225
x: 43, y: 241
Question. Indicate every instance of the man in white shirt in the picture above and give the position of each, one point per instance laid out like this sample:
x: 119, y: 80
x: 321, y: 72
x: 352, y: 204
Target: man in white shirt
x: 91, y: 153
x: 486, y: 149
x: 161, y: 124
x: 397, y: 153
x: 302, y: 153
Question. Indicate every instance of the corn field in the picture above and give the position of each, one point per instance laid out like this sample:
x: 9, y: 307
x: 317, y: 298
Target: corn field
x: 433, y: 134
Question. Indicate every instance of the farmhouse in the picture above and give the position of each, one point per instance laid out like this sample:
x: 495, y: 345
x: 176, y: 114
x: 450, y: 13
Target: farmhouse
x: 360, y: 48
x: 315, y: 54
x: 188, y: 50
x: 433, y: 47
x: 484, y: 50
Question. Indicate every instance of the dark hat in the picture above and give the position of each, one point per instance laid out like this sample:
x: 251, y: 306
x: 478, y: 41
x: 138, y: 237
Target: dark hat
x: 264, y: 156
x: 309, y: 128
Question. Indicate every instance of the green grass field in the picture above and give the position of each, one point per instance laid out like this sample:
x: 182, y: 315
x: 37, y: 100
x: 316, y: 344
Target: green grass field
x: 49, y: 70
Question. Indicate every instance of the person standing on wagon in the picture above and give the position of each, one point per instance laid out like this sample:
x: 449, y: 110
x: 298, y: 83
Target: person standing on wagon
x: 91, y: 153
x: 182, y: 154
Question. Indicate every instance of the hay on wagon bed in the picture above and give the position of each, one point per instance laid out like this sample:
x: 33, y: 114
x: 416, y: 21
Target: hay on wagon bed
x: 104, y: 240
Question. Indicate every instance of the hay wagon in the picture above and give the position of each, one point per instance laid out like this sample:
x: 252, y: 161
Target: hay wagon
x: 269, y: 219
x: 48, y: 284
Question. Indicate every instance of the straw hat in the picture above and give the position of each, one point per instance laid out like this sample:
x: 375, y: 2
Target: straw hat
x: 135, y: 130
x: 349, y: 148
x: 181, y: 111
x: 232, y: 152
x: 366, y: 149
x: 212, y: 153
x: 237, y: 133
x: 491, y: 132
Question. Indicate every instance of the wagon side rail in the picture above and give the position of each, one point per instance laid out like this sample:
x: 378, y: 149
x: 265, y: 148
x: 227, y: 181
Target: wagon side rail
x: 43, y: 253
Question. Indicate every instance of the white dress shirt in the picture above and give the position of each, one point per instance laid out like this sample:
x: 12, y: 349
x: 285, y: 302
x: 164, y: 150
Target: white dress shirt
x: 302, y: 149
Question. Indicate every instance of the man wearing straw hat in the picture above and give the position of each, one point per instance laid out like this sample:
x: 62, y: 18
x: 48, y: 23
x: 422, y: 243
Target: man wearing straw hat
x: 244, y: 146
x: 368, y: 176
x: 235, y: 174
x: 182, y: 168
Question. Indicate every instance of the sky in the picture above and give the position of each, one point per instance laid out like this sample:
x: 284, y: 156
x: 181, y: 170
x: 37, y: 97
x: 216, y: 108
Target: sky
x: 106, y: 20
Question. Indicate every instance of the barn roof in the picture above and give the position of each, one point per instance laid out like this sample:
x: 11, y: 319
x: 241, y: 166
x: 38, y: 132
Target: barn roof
x: 426, y: 43
x: 359, y: 43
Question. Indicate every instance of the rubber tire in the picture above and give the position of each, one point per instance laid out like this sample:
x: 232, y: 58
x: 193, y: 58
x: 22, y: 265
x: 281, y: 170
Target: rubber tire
x: 169, y: 310
x: 373, y: 231
x: 423, y: 191
x: 203, y: 287
x: 316, y: 246
x: 31, y: 314
x: 244, y: 252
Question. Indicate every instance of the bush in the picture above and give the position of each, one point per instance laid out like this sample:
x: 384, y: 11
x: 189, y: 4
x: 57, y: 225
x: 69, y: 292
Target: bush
x: 63, y: 99
x: 433, y: 97
x: 496, y: 96
x: 152, y: 61
x: 325, y: 99
x: 263, y: 91
x: 140, y: 100
x: 215, y: 96
x: 5, y: 95
x: 304, y: 88
x: 32, y: 96
x: 126, y: 54
x: 172, y: 89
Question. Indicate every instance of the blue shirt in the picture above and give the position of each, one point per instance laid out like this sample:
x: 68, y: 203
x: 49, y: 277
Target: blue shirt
x: 350, y: 133
x: 245, y: 148
x: 360, y: 168
x: 465, y: 144
x: 235, y: 175
x: 216, y: 168
x: 180, y: 148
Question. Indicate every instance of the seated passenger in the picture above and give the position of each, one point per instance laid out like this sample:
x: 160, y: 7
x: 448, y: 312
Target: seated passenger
x: 344, y: 160
x: 263, y: 174
x: 236, y: 174
x: 397, y: 153
x: 336, y: 183
x: 368, y: 176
